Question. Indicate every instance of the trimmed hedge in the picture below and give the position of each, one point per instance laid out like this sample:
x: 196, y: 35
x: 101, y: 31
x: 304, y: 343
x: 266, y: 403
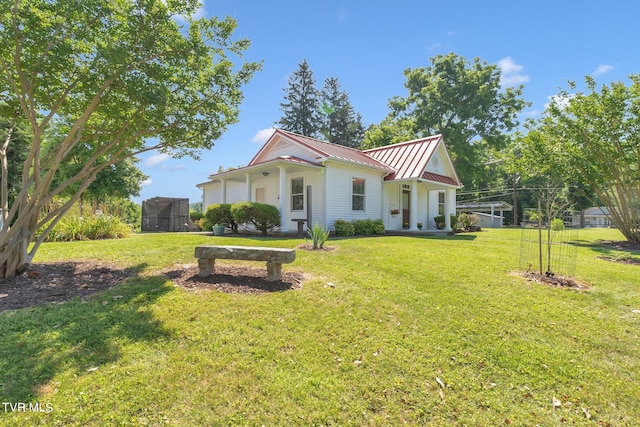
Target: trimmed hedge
x: 360, y: 227
x: 220, y: 213
x: 344, y: 228
x: 264, y: 217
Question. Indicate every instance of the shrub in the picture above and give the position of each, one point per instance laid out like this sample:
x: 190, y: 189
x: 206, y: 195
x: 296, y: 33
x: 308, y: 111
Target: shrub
x: 264, y: 217
x: 344, y: 228
x: 318, y: 235
x: 360, y: 227
x: 196, y: 216
x: 90, y: 228
x: 220, y: 213
x: 377, y: 226
x: 439, y: 220
x: 466, y: 221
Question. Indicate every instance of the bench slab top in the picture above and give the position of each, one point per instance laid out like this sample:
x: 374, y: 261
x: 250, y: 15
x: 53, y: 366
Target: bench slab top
x: 251, y: 253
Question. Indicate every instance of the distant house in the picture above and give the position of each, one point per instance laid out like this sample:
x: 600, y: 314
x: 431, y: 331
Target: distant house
x: 597, y: 217
x: 307, y: 179
x: 490, y: 214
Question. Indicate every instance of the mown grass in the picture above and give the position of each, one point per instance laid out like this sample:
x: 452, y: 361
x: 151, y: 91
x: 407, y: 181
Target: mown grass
x: 362, y: 343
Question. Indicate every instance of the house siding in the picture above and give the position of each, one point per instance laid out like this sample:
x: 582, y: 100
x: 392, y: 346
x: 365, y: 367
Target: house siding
x: 391, y: 200
x: 285, y: 148
x: 339, y: 193
x: 314, y: 179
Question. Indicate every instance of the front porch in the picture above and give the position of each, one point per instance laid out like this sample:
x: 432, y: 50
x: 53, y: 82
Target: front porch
x: 413, y: 205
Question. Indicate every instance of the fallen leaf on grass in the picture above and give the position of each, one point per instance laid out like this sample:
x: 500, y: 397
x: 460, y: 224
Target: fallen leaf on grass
x: 586, y: 413
x: 440, y: 383
x: 359, y: 361
x: 556, y: 402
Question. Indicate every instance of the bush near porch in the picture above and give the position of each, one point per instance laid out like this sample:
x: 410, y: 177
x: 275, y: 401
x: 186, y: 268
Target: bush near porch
x: 358, y: 227
x: 405, y: 334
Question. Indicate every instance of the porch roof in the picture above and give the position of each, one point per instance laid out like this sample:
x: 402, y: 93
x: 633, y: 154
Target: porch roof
x: 257, y: 166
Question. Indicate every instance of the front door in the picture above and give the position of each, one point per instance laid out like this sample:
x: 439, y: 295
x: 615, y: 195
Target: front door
x: 406, y: 202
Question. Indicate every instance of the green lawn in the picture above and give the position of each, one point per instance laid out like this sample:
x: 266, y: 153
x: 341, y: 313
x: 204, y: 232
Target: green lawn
x: 423, y: 331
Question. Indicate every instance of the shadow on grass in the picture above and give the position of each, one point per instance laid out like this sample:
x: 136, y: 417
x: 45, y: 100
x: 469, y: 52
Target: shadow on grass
x: 608, y: 247
x: 41, y: 341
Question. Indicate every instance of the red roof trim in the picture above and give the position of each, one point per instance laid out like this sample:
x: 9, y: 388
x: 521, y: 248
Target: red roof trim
x: 430, y: 176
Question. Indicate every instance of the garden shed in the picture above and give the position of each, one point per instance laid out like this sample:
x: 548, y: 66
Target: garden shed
x: 165, y: 214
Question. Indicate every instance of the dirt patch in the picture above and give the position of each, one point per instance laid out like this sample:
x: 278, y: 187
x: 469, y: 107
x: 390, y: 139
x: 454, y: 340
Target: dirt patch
x: 309, y: 247
x: 57, y: 282
x: 556, y: 281
x: 234, y: 279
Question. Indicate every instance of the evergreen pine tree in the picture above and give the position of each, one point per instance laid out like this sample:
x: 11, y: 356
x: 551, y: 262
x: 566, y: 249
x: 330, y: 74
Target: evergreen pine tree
x: 340, y: 123
x: 301, y: 110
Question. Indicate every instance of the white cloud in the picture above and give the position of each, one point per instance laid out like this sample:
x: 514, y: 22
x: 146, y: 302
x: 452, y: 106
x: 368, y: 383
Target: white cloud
x: 146, y: 182
x: 156, y: 159
x: 200, y: 13
x: 511, y: 73
x: 262, y: 135
x: 561, y: 101
x: 603, y: 69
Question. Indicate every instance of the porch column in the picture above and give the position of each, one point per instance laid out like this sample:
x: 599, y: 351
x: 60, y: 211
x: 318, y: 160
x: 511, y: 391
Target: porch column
x: 413, y: 216
x: 449, y: 207
x: 223, y: 191
x: 282, y: 199
x: 248, y: 177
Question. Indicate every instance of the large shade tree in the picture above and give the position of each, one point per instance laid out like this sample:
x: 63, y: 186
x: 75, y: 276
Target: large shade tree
x: 464, y: 102
x: 14, y: 146
x: 593, y: 139
x: 124, y: 77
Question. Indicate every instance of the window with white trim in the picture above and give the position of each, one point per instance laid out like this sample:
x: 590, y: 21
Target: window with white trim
x: 357, y: 194
x: 441, y: 203
x: 297, y: 194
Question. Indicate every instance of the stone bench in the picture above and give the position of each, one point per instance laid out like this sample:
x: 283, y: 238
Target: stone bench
x: 275, y: 257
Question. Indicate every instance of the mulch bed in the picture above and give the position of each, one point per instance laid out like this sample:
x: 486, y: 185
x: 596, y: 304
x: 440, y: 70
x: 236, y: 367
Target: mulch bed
x: 234, y: 279
x: 57, y: 282
x: 557, y: 281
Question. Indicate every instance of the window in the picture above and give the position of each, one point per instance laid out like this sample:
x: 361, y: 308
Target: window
x: 357, y: 197
x: 297, y: 194
x: 441, y: 203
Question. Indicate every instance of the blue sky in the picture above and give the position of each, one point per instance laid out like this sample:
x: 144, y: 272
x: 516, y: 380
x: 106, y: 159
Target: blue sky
x: 367, y: 46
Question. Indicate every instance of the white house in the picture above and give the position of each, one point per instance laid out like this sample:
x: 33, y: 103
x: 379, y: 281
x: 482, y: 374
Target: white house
x: 597, y: 217
x: 321, y: 182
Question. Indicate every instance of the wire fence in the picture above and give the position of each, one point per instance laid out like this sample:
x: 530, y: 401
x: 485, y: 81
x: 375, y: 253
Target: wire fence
x: 548, y: 249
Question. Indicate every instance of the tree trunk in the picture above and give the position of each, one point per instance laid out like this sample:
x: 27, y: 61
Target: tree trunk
x: 14, y: 257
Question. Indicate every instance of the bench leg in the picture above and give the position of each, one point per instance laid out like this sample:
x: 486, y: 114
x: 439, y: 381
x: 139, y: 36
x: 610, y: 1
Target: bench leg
x: 207, y: 267
x: 274, y: 271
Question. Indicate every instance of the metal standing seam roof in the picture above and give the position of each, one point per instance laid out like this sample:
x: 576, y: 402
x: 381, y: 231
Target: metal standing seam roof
x: 409, y: 159
x: 405, y: 160
x: 330, y: 150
